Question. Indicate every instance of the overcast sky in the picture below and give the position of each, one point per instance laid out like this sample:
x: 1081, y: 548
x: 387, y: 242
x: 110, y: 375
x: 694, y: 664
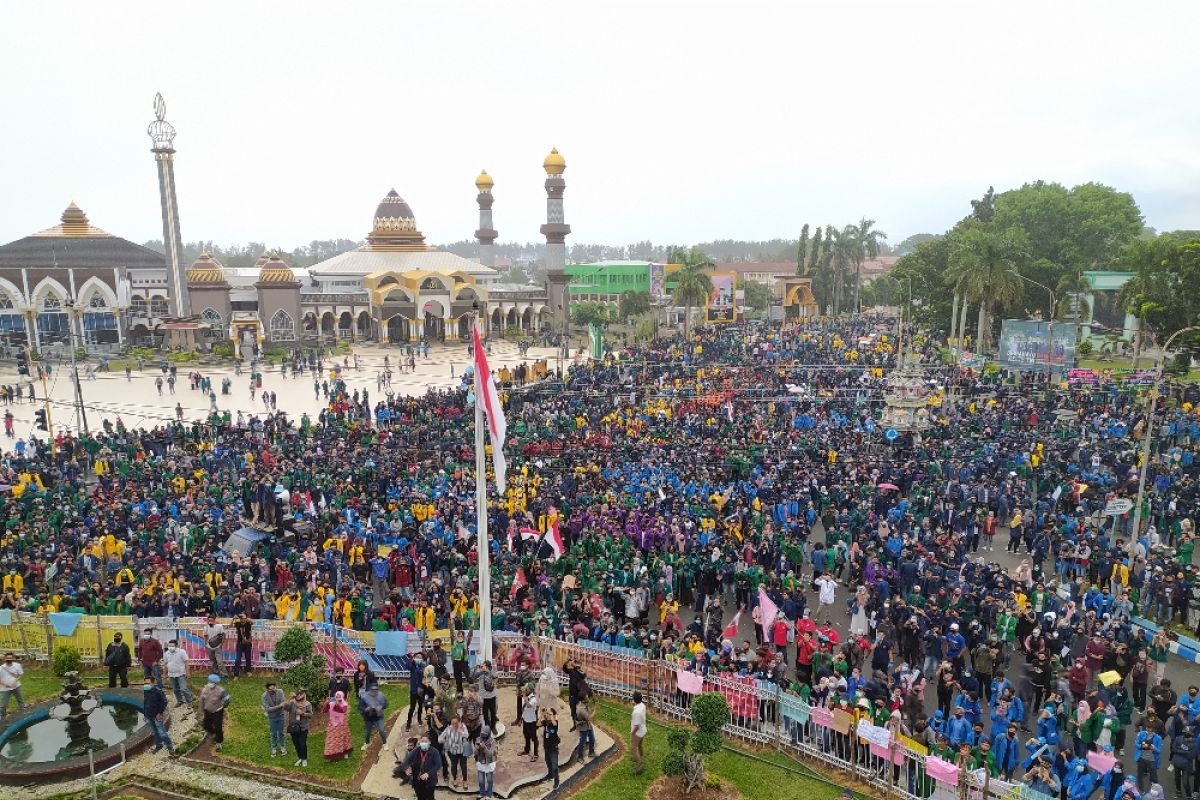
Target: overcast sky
x: 680, y: 122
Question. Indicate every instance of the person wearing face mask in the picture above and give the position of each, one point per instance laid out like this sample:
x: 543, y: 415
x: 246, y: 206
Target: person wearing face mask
x: 175, y: 662
x: 154, y: 707
x: 424, y: 764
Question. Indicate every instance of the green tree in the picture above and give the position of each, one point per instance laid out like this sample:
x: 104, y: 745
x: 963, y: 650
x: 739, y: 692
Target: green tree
x: 908, y: 245
x: 982, y: 265
x: 307, y: 667
x: 686, y: 749
x: 692, y: 285
x: 867, y: 241
x: 802, y: 251
x: 758, y: 296
x: 634, y: 304
x: 1165, y: 292
x: 983, y: 209
x: 591, y: 313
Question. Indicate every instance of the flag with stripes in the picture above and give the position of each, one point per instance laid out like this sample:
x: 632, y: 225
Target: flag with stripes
x: 487, y: 394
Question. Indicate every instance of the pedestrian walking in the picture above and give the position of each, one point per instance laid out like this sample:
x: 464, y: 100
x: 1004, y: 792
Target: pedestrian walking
x: 372, y: 705
x: 10, y: 684
x: 637, y: 733
x: 118, y: 659
x: 456, y: 744
x: 587, y: 735
x: 214, y: 699
x: 154, y: 707
x: 337, y: 732
x: 175, y: 661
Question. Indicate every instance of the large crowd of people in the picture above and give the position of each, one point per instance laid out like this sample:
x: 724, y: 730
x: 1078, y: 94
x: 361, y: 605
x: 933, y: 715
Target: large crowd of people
x: 687, y: 479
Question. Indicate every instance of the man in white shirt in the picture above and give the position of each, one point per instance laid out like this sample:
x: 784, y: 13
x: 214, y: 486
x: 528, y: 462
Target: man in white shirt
x: 10, y: 684
x: 637, y: 732
x: 176, y: 661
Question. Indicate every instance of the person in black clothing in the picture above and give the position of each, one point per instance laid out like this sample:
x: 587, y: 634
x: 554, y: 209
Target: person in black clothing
x: 339, y: 683
x: 154, y: 706
x: 578, y: 690
x: 550, y: 742
x: 363, y: 677
x: 118, y: 659
x: 423, y: 765
x: 244, y: 627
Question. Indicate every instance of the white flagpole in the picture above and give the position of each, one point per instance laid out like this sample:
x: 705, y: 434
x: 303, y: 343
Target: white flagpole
x: 481, y: 520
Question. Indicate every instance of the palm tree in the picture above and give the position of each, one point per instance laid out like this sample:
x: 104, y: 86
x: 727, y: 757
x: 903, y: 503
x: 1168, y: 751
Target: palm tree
x: 981, y: 267
x: 693, y: 286
x: 867, y: 242
x: 842, y: 248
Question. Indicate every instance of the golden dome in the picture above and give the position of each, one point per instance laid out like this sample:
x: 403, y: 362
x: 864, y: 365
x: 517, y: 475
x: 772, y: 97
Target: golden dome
x: 484, y: 182
x: 276, y: 270
x: 554, y: 164
x: 205, y: 269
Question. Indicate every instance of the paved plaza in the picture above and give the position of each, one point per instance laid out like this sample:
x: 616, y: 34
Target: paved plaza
x: 137, y: 401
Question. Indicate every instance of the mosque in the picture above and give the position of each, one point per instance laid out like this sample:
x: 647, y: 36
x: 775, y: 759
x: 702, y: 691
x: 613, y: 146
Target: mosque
x: 76, y: 284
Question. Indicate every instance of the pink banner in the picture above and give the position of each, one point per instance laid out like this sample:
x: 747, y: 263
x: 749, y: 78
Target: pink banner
x: 822, y: 717
x: 882, y: 752
x: 942, y: 771
x: 1101, y: 762
x: 767, y: 611
x: 689, y: 682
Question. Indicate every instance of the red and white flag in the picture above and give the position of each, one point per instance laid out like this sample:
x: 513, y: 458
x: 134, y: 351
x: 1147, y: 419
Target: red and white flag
x: 487, y: 394
x: 554, y: 540
x: 731, y: 630
x: 519, y: 580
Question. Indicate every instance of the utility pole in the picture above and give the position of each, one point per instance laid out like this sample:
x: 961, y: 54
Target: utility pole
x: 82, y: 413
x: 1150, y: 408
x: 46, y: 404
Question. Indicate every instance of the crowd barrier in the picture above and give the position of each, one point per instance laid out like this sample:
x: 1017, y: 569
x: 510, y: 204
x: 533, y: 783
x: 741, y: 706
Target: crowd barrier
x: 760, y: 714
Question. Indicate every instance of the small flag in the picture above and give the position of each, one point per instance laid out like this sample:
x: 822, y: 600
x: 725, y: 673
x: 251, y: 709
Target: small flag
x: 486, y: 393
x: 554, y: 541
x: 731, y: 630
x: 519, y: 580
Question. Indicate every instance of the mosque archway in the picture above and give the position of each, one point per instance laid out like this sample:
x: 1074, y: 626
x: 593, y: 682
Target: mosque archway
x: 310, y: 324
x: 527, y: 319
x: 434, y: 315
x: 513, y: 318
x: 328, y: 324
x: 363, y: 325
x: 497, y: 320
x: 397, y: 329
x: 345, y: 323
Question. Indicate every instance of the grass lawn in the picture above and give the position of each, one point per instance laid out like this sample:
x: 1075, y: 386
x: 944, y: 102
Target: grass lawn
x: 1127, y: 363
x: 246, y: 735
x: 752, y: 778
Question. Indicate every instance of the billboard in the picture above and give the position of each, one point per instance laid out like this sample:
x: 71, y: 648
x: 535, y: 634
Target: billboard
x: 658, y: 281
x: 1023, y: 345
x: 721, y: 306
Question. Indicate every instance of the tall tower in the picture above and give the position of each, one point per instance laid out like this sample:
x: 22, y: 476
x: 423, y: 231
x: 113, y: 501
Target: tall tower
x: 486, y: 233
x: 556, y: 238
x: 162, y: 136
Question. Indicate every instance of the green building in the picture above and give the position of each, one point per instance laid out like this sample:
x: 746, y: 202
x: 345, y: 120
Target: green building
x: 606, y: 281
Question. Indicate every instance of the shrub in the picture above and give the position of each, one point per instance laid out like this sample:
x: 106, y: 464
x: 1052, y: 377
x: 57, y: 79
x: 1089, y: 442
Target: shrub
x: 710, y: 712
x: 672, y: 763
x: 66, y: 659
x: 685, y: 758
x: 1085, y: 348
x: 678, y: 738
x: 308, y: 668
x: 222, y: 349
x: 81, y: 352
x: 1179, y: 364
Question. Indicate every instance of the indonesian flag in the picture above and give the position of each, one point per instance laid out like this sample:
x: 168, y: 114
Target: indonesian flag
x: 519, y: 580
x: 554, y: 541
x: 731, y: 630
x: 309, y: 507
x: 486, y: 393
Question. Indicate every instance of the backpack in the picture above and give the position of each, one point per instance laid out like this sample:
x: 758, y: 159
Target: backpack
x: 488, y: 682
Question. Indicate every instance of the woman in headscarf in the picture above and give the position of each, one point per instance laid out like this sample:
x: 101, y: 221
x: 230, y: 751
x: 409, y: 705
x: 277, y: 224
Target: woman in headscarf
x: 485, y: 761
x: 337, y: 734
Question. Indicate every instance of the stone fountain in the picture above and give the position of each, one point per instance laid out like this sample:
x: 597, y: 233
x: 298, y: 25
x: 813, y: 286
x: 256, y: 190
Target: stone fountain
x: 78, y: 731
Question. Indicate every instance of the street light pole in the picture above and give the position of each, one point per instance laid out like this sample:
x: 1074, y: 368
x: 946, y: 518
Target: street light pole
x: 1049, y: 324
x: 1150, y: 408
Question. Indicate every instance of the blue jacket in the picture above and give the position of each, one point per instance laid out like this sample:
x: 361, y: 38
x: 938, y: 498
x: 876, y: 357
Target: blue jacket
x: 958, y: 730
x: 1006, y: 751
x: 1047, y: 729
x: 1083, y: 785
x: 1155, y: 740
